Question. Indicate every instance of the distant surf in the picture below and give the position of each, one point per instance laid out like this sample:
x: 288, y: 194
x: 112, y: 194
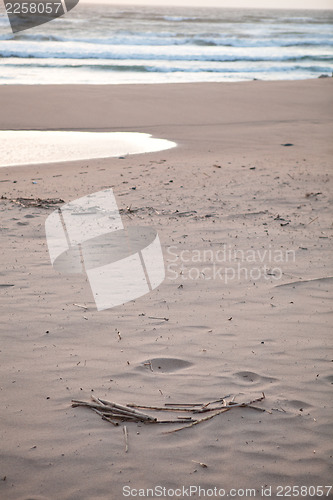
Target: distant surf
x: 105, y: 44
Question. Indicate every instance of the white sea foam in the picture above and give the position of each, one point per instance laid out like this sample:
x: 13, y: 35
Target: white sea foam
x: 21, y: 147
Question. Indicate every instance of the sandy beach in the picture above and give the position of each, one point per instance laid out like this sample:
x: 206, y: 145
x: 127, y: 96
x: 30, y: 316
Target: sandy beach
x: 251, y: 173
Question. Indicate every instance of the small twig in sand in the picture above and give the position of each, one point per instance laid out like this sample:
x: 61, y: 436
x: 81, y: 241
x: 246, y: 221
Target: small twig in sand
x: 184, y: 404
x: 114, y: 410
x: 126, y: 409
x: 148, y: 363
x: 161, y: 408
x: 123, y: 418
x: 126, y: 438
x: 98, y: 401
x: 258, y: 409
x: 279, y: 409
x: 104, y: 417
x: 199, y: 421
x: 308, y: 224
x: 232, y: 403
x: 204, y: 466
x: 82, y: 307
x: 221, y: 400
x: 180, y: 420
x: 156, y: 317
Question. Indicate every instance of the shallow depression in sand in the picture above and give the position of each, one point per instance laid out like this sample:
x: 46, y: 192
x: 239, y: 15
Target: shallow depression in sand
x: 24, y: 147
x: 164, y: 365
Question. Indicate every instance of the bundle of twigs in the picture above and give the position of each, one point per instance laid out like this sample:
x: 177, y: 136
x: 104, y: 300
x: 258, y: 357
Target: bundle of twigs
x: 116, y: 413
x: 35, y: 202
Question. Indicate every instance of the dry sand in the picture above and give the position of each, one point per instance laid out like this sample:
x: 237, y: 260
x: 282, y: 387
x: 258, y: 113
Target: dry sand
x: 229, y: 182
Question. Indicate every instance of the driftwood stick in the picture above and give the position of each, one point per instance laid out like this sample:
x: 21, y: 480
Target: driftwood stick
x: 188, y: 408
x: 259, y: 409
x: 160, y: 408
x: 75, y: 403
x: 124, y: 414
x: 126, y: 409
x: 82, y: 307
x: 178, y: 421
x: 123, y: 417
x: 157, y: 317
x: 196, y: 422
x: 150, y: 365
x: 221, y: 400
x: 205, y: 409
x: 127, y: 412
x: 126, y: 438
x: 98, y: 406
x: 201, y: 464
x: 183, y: 404
x: 98, y: 401
x: 115, y: 413
x: 232, y: 403
x: 104, y: 417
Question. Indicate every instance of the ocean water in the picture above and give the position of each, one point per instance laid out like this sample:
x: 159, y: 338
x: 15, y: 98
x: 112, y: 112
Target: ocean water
x: 104, y: 44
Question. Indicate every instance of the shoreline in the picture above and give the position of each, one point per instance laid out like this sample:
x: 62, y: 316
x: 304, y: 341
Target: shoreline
x: 38, y: 147
x: 231, y: 181
x: 160, y: 83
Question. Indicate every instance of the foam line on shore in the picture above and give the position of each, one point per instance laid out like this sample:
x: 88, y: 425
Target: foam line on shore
x: 24, y: 147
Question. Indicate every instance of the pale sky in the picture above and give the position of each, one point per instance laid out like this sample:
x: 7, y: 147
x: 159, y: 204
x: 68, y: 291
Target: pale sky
x: 269, y: 4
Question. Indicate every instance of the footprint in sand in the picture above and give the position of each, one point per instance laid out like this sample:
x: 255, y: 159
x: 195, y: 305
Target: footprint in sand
x: 249, y: 377
x: 329, y: 379
x: 164, y: 365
